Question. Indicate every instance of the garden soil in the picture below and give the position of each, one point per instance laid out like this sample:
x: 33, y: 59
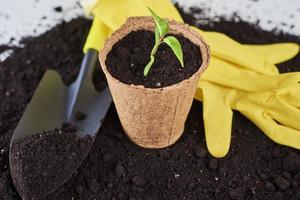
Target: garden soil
x: 129, y: 56
x: 115, y: 168
x: 32, y: 173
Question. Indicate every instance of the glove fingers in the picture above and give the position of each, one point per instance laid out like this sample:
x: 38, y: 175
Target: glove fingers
x: 291, y: 95
x: 242, y: 79
x: 228, y: 49
x: 278, y: 133
x: 217, y: 122
x: 283, y: 112
x: 276, y: 53
x: 280, y: 81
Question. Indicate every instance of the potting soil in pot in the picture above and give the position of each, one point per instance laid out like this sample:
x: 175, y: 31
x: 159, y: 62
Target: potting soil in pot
x: 255, y: 168
x: 128, y: 58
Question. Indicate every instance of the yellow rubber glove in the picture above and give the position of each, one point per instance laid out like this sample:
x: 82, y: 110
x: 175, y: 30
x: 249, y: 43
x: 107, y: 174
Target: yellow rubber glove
x: 222, y: 97
x: 252, y: 57
x: 264, y: 109
x: 276, y: 113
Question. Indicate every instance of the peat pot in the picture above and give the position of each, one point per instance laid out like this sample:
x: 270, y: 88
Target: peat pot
x: 154, y: 117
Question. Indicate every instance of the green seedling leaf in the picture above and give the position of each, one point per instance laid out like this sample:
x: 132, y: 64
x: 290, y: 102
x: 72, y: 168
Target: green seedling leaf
x: 161, y: 24
x: 174, y: 44
x: 148, y: 66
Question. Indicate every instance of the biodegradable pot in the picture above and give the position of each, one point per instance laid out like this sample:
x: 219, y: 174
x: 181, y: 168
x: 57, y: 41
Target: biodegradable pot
x: 154, y: 117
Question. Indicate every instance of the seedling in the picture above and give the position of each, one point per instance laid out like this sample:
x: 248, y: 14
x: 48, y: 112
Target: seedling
x: 161, y: 29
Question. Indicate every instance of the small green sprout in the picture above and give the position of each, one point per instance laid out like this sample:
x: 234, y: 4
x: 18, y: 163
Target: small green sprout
x: 161, y: 29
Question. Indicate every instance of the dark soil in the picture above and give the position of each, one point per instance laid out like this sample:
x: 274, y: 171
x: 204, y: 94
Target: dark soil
x: 255, y: 168
x: 58, y: 9
x: 128, y: 58
x: 43, y: 161
x: 4, y: 48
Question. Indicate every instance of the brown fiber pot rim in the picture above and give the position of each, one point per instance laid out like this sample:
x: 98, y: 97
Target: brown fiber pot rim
x: 147, y: 23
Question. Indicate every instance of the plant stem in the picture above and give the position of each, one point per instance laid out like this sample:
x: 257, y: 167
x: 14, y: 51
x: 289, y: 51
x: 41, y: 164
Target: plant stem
x: 148, y: 66
x: 156, y: 46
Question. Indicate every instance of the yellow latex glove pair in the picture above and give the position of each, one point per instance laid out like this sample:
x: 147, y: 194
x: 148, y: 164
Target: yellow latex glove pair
x: 240, y: 77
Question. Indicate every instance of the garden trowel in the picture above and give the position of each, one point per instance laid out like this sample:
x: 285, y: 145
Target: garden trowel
x: 54, y: 104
